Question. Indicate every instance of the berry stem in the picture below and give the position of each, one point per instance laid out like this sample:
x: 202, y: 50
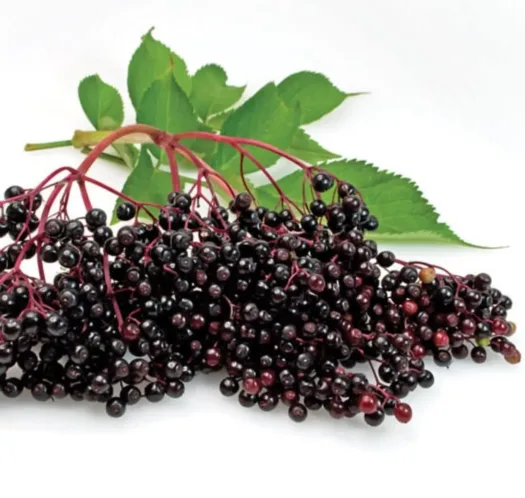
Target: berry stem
x: 154, y: 133
x: 242, y: 141
x: 174, y: 168
x: 48, y: 145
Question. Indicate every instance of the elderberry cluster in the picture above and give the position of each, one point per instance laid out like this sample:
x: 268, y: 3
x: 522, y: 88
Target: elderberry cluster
x: 286, y: 303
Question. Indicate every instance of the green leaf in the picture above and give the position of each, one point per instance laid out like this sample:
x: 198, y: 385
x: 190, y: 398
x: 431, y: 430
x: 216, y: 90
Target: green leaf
x: 314, y: 92
x: 152, y: 61
x: 209, y: 92
x: 128, y: 152
x: 217, y: 121
x: 306, y: 148
x: 136, y: 185
x: 103, y: 106
x: 147, y: 184
x: 167, y: 107
x: 264, y: 117
x: 101, y: 103
x: 204, y: 148
x: 405, y: 216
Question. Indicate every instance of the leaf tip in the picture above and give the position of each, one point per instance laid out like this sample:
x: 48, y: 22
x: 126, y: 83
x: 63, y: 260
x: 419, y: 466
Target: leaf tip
x: 148, y: 33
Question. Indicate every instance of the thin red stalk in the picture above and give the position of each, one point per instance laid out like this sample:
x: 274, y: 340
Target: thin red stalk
x: 174, y: 168
x: 41, y: 225
x: 111, y: 295
x: 120, y: 194
x: 85, y: 195
x: 243, y: 178
x: 200, y: 164
x: 275, y: 185
x: 245, y: 141
x: 41, y: 185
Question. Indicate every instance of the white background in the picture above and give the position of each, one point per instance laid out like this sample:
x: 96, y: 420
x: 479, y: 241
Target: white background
x: 446, y: 108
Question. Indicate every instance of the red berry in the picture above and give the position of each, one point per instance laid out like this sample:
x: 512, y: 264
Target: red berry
x: 289, y: 397
x: 367, y: 403
x: 131, y: 331
x: 440, y: 338
x: 316, y: 283
x: 267, y: 378
x: 251, y: 385
x: 355, y: 337
x: 410, y: 308
x: 452, y: 319
x: 468, y: 326
x: 500, y: 326
x: 418, y: 351
x: 213, y: 357
x: 403, y: 413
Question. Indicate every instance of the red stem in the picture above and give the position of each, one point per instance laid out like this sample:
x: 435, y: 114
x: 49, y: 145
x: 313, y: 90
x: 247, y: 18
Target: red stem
x: 154, y: 133
x: 174, y: 168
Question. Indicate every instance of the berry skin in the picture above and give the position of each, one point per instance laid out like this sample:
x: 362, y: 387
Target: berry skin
x: 386, y: 259
x: 409, y: 274
x: 229, y: 386
x: 246, y: 399
x: 403, y: 413
x: 376, y: 418
x: 251, y: 385
x: 56, y: 325
x: 478, y: 354
x: 500, y: 326
x: 40, y: 391
x: 175, y: 388
x: 96, y: 218
x: 13, y: 191
x: 321, y: 182
x: 130, y: 395
x: 318, y: 207
x: 427, y: 275
x: 115, y: 407
x: 154, y: 392
x: 425, y: 379
x: 297, y: 412
x: 126, y: 211
x: 308, y: 223
x: 513, y: 357
x: 367, y: 403
x: 69, y: 256
x: 12, y: 387
x: 442, y: 358
x: 410, y: 308
x: 440, y: 338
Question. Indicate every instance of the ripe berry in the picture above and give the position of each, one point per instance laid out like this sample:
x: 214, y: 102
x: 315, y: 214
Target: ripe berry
x: 298, y: 412
x: 318, y: 207
x: 96, y: 218
x: 115, y: 407
x: 125, y: 211
x: 442, y: 358
x: 376, y: 418
x: 321, y: 182
x: 478, y: 354
x: 154, y: 392
x: 229, y: 386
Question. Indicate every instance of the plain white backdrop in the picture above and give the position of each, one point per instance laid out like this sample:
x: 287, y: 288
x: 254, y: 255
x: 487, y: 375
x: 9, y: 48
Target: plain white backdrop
x: 446, y: 108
